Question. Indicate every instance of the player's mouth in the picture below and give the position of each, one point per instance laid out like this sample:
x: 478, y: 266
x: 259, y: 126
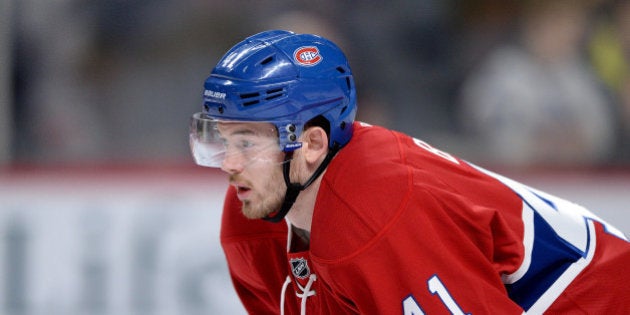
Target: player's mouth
x: 243, y: 187
x: 242, y: 192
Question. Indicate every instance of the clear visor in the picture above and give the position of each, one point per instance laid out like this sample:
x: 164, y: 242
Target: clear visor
x: 233, y: 144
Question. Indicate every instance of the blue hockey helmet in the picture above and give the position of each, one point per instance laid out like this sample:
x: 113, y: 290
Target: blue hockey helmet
x: 286, y: 79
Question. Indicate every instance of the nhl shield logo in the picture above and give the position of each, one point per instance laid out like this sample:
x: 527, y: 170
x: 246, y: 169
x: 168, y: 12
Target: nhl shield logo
x: 300, y: 269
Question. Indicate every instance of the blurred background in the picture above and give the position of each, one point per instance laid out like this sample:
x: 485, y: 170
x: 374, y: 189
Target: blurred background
x: 102, y: 211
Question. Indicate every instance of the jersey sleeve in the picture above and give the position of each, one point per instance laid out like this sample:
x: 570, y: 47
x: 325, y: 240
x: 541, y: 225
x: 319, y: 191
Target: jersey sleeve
x: 434, y: 236
x: 256, y: 255
x: 422, y: 267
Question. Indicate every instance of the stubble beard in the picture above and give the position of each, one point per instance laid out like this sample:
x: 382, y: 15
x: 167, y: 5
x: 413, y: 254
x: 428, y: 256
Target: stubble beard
x: 267, y: 201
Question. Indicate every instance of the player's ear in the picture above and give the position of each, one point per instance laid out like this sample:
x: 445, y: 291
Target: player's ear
x: 315, y: 144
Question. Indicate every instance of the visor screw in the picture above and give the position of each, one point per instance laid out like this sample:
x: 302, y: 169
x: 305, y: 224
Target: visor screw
x: 343, y: 125
x: 291, y: 128
x: 221, y: 109
x: 292, y: 137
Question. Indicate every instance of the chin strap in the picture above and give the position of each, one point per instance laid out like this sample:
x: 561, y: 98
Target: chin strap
x: 294, y: 189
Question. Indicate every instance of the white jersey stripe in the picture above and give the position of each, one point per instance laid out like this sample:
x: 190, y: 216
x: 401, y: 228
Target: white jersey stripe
x: 528, y: 244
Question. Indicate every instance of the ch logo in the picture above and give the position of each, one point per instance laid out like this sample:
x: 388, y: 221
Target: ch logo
x: 307, y: 56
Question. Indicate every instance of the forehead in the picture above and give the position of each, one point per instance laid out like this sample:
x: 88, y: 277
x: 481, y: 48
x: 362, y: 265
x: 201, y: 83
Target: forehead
x: 244, y: 128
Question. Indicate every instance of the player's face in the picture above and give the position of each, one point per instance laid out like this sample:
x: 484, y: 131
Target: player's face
x: 254, y: 162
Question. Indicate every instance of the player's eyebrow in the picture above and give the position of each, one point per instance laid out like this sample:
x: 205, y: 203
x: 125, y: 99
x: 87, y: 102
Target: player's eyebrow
x: 246, y: 130
x: 243, y: 131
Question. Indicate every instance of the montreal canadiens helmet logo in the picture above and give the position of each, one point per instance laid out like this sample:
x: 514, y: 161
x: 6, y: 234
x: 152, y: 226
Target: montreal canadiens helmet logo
x: 307, y: 56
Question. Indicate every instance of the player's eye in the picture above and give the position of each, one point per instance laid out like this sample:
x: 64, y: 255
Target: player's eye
x: 239, y: 144
x: 246, y: 144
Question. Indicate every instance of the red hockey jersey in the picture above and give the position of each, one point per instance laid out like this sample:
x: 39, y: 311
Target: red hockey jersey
x: 400, y: 227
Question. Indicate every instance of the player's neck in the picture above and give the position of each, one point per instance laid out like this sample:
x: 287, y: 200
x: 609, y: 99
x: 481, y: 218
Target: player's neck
x: 301, y: 214
x: 300, y: 240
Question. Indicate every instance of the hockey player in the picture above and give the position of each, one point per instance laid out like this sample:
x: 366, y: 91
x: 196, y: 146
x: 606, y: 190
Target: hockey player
x: 325, y: 215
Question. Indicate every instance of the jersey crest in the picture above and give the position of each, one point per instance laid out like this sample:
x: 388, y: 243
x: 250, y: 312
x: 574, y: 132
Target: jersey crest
x: 299, y: 267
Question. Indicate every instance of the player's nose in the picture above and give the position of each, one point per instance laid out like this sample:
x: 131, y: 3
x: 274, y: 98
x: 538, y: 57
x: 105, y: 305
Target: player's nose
x: 232, y: 164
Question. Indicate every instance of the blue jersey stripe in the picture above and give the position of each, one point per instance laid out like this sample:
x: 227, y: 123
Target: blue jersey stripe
x: 551, y: 256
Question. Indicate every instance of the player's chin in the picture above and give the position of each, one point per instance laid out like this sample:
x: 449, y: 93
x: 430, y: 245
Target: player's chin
x: 253, y: 211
